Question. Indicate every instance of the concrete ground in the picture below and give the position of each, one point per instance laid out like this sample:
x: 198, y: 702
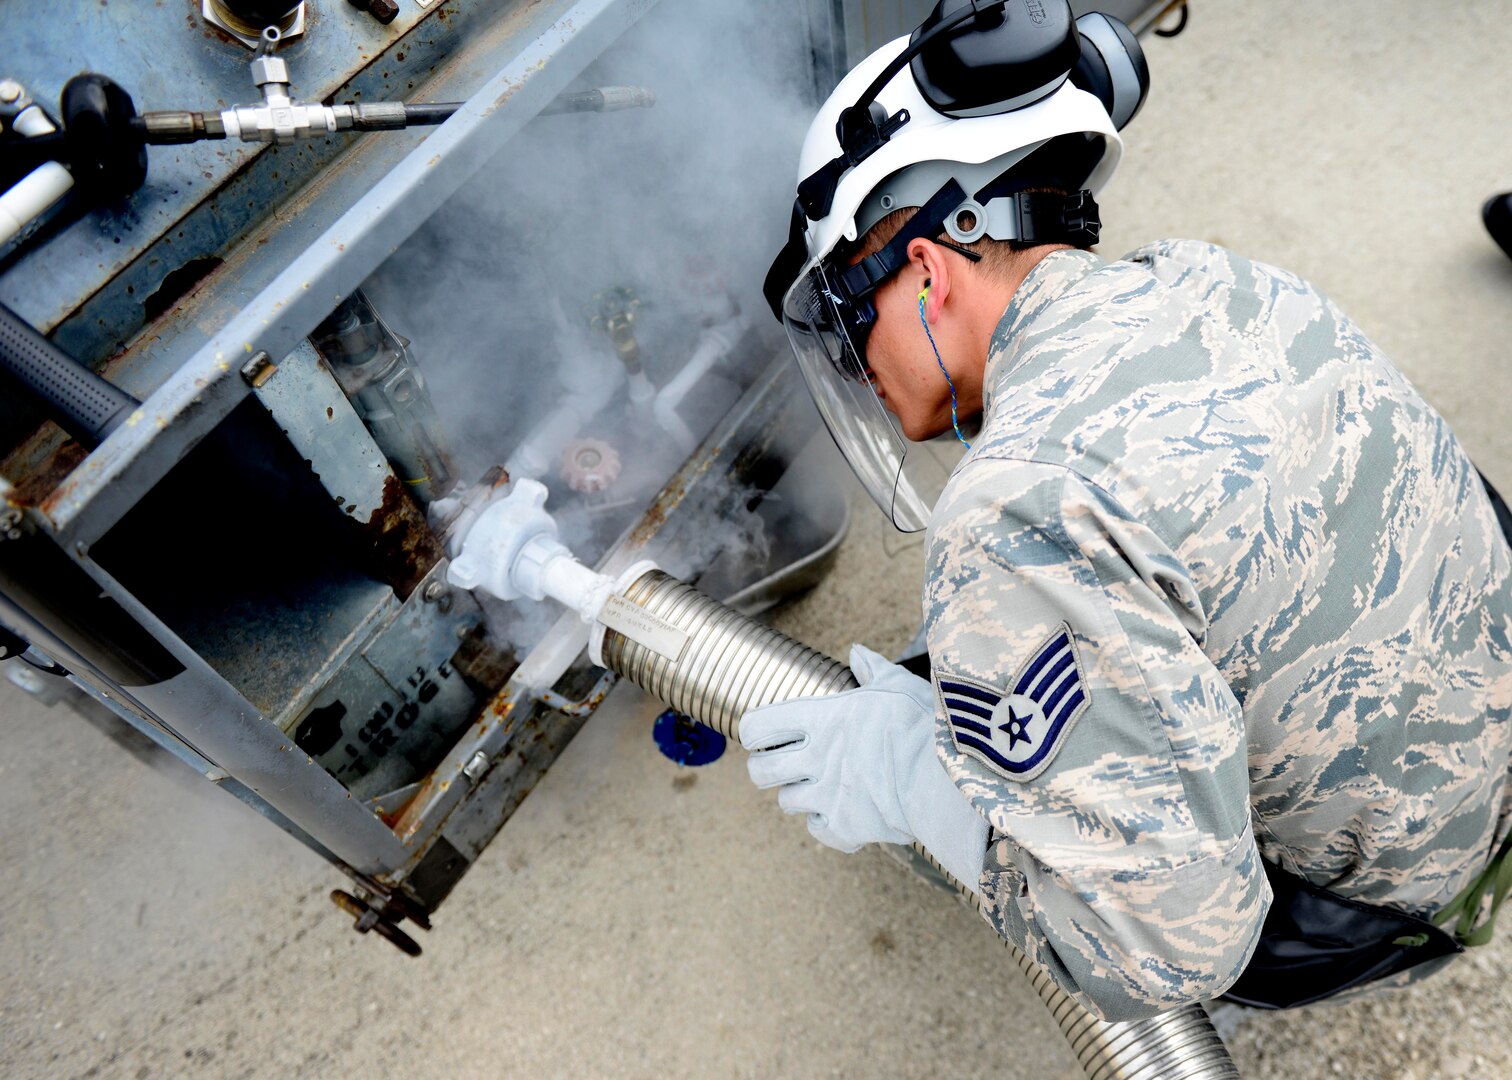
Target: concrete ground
x: 635, y: 919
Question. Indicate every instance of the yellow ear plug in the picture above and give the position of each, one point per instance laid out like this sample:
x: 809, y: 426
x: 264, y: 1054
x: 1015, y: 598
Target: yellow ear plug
x: 954, y: 421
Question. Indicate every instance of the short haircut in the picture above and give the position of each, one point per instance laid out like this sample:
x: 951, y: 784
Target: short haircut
x: 1000, y: 258
x: 1058, y: 167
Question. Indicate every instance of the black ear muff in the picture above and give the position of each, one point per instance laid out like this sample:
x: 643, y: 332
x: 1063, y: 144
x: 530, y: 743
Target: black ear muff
x: 1112, y: 66
x: 1009, y: 57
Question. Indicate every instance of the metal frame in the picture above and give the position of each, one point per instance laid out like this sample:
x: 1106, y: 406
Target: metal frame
x: 383, y: 191
x: 379, y: 192
x: 465, y: 800
x: 194, y: 366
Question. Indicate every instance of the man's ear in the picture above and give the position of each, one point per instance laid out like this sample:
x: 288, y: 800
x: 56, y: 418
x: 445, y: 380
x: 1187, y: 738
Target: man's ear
x: 927, y: 263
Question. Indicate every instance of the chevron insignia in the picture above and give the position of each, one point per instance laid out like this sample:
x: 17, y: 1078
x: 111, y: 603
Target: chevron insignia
x: 1017, y: 733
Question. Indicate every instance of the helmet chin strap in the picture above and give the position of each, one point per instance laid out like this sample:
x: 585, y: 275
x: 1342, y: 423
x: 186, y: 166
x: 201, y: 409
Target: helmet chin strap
x: 954, y: 418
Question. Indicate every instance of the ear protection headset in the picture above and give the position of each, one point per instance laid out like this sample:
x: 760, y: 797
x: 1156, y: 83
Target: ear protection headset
x: 983, y: 57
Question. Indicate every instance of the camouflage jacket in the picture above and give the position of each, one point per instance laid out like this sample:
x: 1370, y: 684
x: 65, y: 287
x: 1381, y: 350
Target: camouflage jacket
x: 1213, y: 584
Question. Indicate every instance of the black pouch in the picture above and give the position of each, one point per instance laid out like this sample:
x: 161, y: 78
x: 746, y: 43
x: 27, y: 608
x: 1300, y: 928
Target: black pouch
x: 1315, y: 945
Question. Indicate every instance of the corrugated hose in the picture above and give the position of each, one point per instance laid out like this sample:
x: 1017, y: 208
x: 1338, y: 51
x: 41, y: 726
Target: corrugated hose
x: 730, y: 664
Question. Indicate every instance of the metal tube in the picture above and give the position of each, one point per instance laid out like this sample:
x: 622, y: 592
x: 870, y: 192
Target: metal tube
x: 431, y: 112
x: 731, y: 664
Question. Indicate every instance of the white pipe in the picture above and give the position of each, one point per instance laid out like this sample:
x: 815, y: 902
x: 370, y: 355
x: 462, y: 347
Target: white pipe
x: 544, y: 567
x: 642, y: 393
x: 511, y: 551
x: 539, y: 451
x: 588, y: 384
x: 713, y: 346
x: 31, y: 196
x: 40, y: 188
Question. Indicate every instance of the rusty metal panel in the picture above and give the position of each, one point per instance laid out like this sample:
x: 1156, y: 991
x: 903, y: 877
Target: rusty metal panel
x: 350, y: 219
x: 107, y: 274
x: 323, y: 427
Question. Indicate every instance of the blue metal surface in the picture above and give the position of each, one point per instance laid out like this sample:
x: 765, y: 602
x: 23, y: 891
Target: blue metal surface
x: 167, y: 57
x: 292, y: 270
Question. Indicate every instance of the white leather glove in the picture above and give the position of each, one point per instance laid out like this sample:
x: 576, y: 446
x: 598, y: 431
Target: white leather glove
x: 862, y: 765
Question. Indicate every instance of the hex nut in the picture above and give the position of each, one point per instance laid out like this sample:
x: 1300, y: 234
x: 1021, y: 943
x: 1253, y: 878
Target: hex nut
x: 269, y: 69
x: 385, y: 11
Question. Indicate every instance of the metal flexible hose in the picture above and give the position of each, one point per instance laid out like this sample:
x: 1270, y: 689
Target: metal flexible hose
x: 731, y: 664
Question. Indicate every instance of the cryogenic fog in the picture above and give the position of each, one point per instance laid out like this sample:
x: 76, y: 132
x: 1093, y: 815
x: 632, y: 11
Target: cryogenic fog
x: 595, y: 290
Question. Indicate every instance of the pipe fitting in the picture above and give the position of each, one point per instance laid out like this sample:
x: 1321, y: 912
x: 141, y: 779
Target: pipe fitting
x: 728, y: 664
x: 495, y: 542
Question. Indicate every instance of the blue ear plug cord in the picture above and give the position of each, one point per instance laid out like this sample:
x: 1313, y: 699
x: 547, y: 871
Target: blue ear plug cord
x: 954, y: 422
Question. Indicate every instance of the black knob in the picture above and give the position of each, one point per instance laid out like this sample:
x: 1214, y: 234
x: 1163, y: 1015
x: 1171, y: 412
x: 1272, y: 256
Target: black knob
x: 1497, y: 214
x: 385, y: 11
x: 107, y: 158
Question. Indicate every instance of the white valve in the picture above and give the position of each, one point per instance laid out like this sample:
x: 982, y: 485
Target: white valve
x: 512, y: 551
x: 496, y: 539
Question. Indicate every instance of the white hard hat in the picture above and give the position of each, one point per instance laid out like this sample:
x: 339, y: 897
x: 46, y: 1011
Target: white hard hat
x: 975, y: 150
x: 971, y: 119
x: 972, y: 112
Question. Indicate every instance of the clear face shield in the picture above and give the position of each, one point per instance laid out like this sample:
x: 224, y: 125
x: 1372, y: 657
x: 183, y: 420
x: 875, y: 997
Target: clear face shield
x: 828, y: 336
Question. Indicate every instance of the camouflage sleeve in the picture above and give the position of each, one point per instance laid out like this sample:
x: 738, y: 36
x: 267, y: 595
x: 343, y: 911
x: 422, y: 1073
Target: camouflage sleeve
x: 1078, y: 712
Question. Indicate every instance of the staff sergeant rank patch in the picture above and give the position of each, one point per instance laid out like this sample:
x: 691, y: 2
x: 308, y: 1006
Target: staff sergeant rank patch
x: 1016, y: 734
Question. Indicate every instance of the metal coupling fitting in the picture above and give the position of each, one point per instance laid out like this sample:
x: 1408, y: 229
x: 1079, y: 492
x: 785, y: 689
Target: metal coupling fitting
x: 376, y: 116
x: 269, y: 69
x: 177, y: 126
x: 278, y: 123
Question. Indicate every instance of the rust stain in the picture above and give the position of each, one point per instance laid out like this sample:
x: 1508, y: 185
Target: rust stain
x: 406, y: 820
x: 46, y: 485
x: 656, y: 517
x: 391, y: 818
x: 669, y: 499
x: 483, y: 663
x: 403, y: 547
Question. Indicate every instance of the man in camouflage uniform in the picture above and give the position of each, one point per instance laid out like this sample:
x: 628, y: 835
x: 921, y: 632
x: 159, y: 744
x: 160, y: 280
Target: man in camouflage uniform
x: 1288, y: 609
x: 1214, y: 600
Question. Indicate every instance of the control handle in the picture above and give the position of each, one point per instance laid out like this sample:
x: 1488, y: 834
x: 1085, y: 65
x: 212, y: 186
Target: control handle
x: 82, y: 403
